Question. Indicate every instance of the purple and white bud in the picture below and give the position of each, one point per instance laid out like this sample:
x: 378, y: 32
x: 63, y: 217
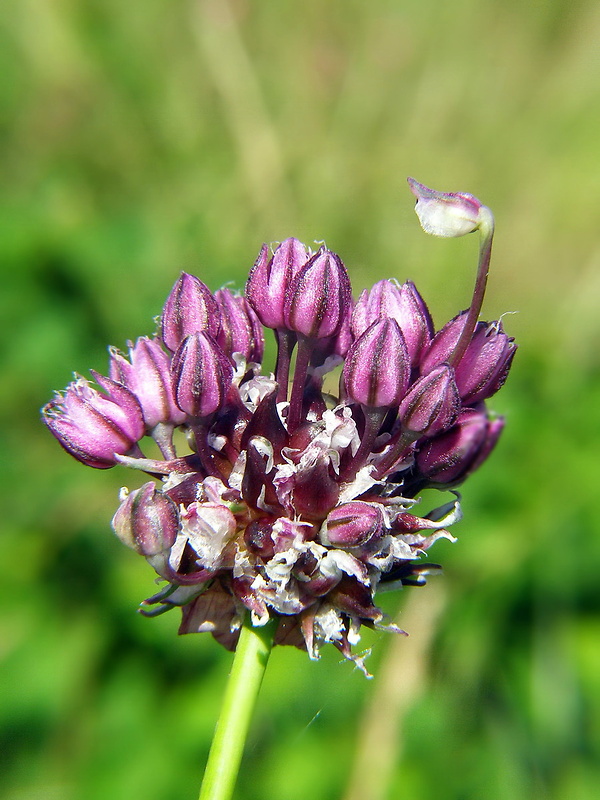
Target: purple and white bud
x: 447, y: 213
x: 319, y: 297
x: 148, y: 375
x: 270, y: 279
x: 190, y: 308
x: 202, y: 375
x: 95, y: 427
x: 352, y: 524
x: 484, y: 367
x: 432, y: 404
x: 402, y: 303
x: 377, y: 368
x: 451, y: 456
x: 147, y: 520
x: 241, y: 331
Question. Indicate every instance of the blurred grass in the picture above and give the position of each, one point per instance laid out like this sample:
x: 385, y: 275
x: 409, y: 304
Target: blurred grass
x: 140, y: 139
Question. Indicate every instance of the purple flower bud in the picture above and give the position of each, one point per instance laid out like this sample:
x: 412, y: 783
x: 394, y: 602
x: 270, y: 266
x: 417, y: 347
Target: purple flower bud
x: 486, y: 362
x: 202, y: 375
x: 148, y: 375
x: 319, y: 297
x: 270, y: 278
x: 241, y: 331
x: 443, y: 344
x: 147, y: 521
x: 377, y: 368
x: 94, y: 427
x: 190, y: 308
x: 352, y: 524
x: 432, y: 404
x: 402, y: 303
x: 451, y: 456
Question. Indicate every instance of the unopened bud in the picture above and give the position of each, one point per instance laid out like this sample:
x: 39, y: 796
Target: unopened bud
x: 377, y: 368
x: 94, y: 427
x: 147, y: 520
x: 147, y: 374
x: 270, y: 279
x: 190, y: 308
x: 402, y: 303
x: 241, y: 331
x: 352, y: 524
x: 319, y: 297
x: 451, y: 456
x: 202, y: 375
x: 432, y: 404
x: 448, y: 213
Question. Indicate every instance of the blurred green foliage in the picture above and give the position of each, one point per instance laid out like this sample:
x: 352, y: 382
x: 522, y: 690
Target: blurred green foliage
x: 138, y: 139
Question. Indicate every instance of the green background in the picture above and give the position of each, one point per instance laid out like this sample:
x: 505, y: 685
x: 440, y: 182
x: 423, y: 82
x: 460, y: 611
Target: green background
x: 142, y: 138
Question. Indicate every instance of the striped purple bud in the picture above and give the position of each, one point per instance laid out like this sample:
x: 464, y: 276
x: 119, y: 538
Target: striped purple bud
x: 148, y: 375
x: 241, y: 331
x: 377, y: 368
x: 451, y: 456
x: 432, y: 404
x: 190, y: 308
x: 484, y: 366
x: 352, y: 524
x: 402, y: 303
x: 147, y: 520
x: 486, y: 362
x: 202, y: 375
x: 270, y: 278
x: 319, y: 297
x: 95, y: 427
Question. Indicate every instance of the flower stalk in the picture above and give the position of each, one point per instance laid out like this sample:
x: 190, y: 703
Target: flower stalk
x: 279, y: 510
x: 249, y: 664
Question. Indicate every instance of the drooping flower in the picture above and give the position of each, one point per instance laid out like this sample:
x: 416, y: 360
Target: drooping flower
x: 291, y: 503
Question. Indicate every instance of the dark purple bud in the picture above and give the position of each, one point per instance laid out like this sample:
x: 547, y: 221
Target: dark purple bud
x: 402, y: 303
x: 202, y: 375
x: 190, y: 308
x: 241, y: 331
x: 148, y: 375
x: 377, y: 368
x: 432, y: 404
x: 319, y: 297
x: 352, y: 524
x: 270, y: 278
x: 94, y: 427
x: 454, y: 454
x: 315, y: 491
x: 147, y: 521
x: 486, y: 362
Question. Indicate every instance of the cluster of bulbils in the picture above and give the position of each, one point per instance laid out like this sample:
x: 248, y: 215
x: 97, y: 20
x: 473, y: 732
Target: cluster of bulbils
x: 289, y: 502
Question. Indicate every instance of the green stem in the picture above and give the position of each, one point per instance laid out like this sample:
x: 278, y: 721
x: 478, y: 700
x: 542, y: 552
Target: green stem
x: 249, y: 664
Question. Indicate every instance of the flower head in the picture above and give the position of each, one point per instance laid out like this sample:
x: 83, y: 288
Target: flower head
x: 291, y: 503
